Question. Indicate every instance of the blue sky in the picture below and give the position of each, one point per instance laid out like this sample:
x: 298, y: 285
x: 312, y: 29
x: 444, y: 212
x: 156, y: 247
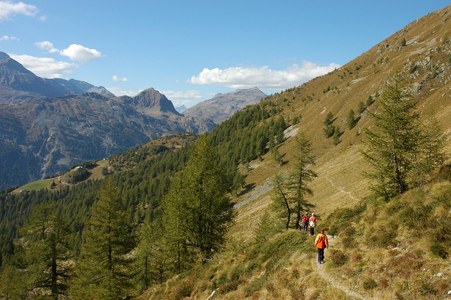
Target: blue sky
x: 191, y: 50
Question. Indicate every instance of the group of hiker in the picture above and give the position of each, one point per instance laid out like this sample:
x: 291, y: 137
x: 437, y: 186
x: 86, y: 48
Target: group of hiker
x: 321, y: 241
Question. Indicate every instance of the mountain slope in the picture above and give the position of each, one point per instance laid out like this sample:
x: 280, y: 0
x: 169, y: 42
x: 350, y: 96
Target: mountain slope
x: 43, y: 137
x: 16, y: 82
x: 223, y: 106
x: 405, y: 267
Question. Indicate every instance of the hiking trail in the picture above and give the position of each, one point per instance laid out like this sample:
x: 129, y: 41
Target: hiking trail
x: 333, y: 281
x: 341, y: 189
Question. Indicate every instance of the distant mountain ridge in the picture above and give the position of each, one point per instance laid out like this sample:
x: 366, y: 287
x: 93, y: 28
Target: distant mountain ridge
x: 43, y: 137
x: 223, y: 106
x: 18, y: 83
x: 48, y: 125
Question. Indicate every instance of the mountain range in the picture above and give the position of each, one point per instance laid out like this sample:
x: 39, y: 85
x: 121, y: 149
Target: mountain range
x: 48, y: 125
x: 236, y: 101
x: 18, y: 83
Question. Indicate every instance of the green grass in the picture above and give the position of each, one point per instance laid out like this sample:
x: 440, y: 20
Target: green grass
x: 36, y: 185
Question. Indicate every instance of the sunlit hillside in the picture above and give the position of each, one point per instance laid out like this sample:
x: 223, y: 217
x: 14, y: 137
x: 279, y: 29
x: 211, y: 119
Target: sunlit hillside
x: 401, y: 268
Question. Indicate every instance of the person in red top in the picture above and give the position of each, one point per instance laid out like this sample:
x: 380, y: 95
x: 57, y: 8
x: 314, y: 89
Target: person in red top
x: 312, y: 224
x: 321, y: 243
x: 304, y: 220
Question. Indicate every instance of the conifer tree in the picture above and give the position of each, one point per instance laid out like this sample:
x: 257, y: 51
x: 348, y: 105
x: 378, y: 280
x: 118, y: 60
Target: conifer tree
x: 152, y: 261
x: 197, y: 208
x: 174, y: 220
x: 290, y: 192
x: 281, y: 198
x: 42, y: 261
x: 351, y: 120
x: 103, y: 269
x: 329, y: 130
x: 301, y: 176
x: 397, y: 144
x: 266, y: 228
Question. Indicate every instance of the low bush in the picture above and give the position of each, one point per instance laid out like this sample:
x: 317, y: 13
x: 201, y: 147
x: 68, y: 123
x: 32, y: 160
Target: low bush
x: 184, y: 290
x: 383, y: 236
x: 369, y: 284
x: 341, y: 219
x: 439, y: 250
x: 255, y: 285
x: 348, y: 242
x: 426, y: 288
x: 338, y: 258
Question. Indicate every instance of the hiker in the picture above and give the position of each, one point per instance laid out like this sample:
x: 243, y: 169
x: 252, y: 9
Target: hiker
x: 312, y: 224
x: 321, y: 243
x: 304, y: 222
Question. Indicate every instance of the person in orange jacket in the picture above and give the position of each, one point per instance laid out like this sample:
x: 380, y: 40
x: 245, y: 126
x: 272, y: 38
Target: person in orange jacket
x: 321, y: 243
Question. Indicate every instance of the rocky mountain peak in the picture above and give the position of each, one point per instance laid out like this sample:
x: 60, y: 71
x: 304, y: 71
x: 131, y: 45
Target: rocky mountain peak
x: 3, y: 56
x: 9, y: 67
x: 151, y: 101
x: 19, y: 83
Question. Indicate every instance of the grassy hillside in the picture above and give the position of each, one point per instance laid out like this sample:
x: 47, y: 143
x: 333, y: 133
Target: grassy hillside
x: 369, y: 256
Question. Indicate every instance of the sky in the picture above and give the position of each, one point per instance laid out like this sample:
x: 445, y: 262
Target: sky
x: 191, y: 50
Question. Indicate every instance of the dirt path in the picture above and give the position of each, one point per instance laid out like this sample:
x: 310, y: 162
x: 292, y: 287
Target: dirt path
x: 341, y: 189
x: 332, y: 281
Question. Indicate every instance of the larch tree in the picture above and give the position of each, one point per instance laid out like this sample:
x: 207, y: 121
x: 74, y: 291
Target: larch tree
x: 281, y: 199
x: 398, y: 144
x: 102, y: 271
x: 197, y: 209
x: 153, y: 260
x: 46, y: 252
x: 290, y: 192
x: 300, y: 177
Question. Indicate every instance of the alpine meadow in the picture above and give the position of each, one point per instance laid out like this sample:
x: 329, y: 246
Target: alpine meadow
x: 217, y: 215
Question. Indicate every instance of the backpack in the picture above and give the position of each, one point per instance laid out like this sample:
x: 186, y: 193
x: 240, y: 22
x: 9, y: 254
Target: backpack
x: 312, y: 224
x: 321, y: 243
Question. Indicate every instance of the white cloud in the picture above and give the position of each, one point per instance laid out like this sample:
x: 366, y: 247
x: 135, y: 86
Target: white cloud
x: 8, y: 38
x: 263, y: 77
x: 44, y: 66
x: 187, y: 98
x: 46, y: 45
x: 9, y: 9
x: 75, y: 52
x: 118, y: 78
x: 80, y: 53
